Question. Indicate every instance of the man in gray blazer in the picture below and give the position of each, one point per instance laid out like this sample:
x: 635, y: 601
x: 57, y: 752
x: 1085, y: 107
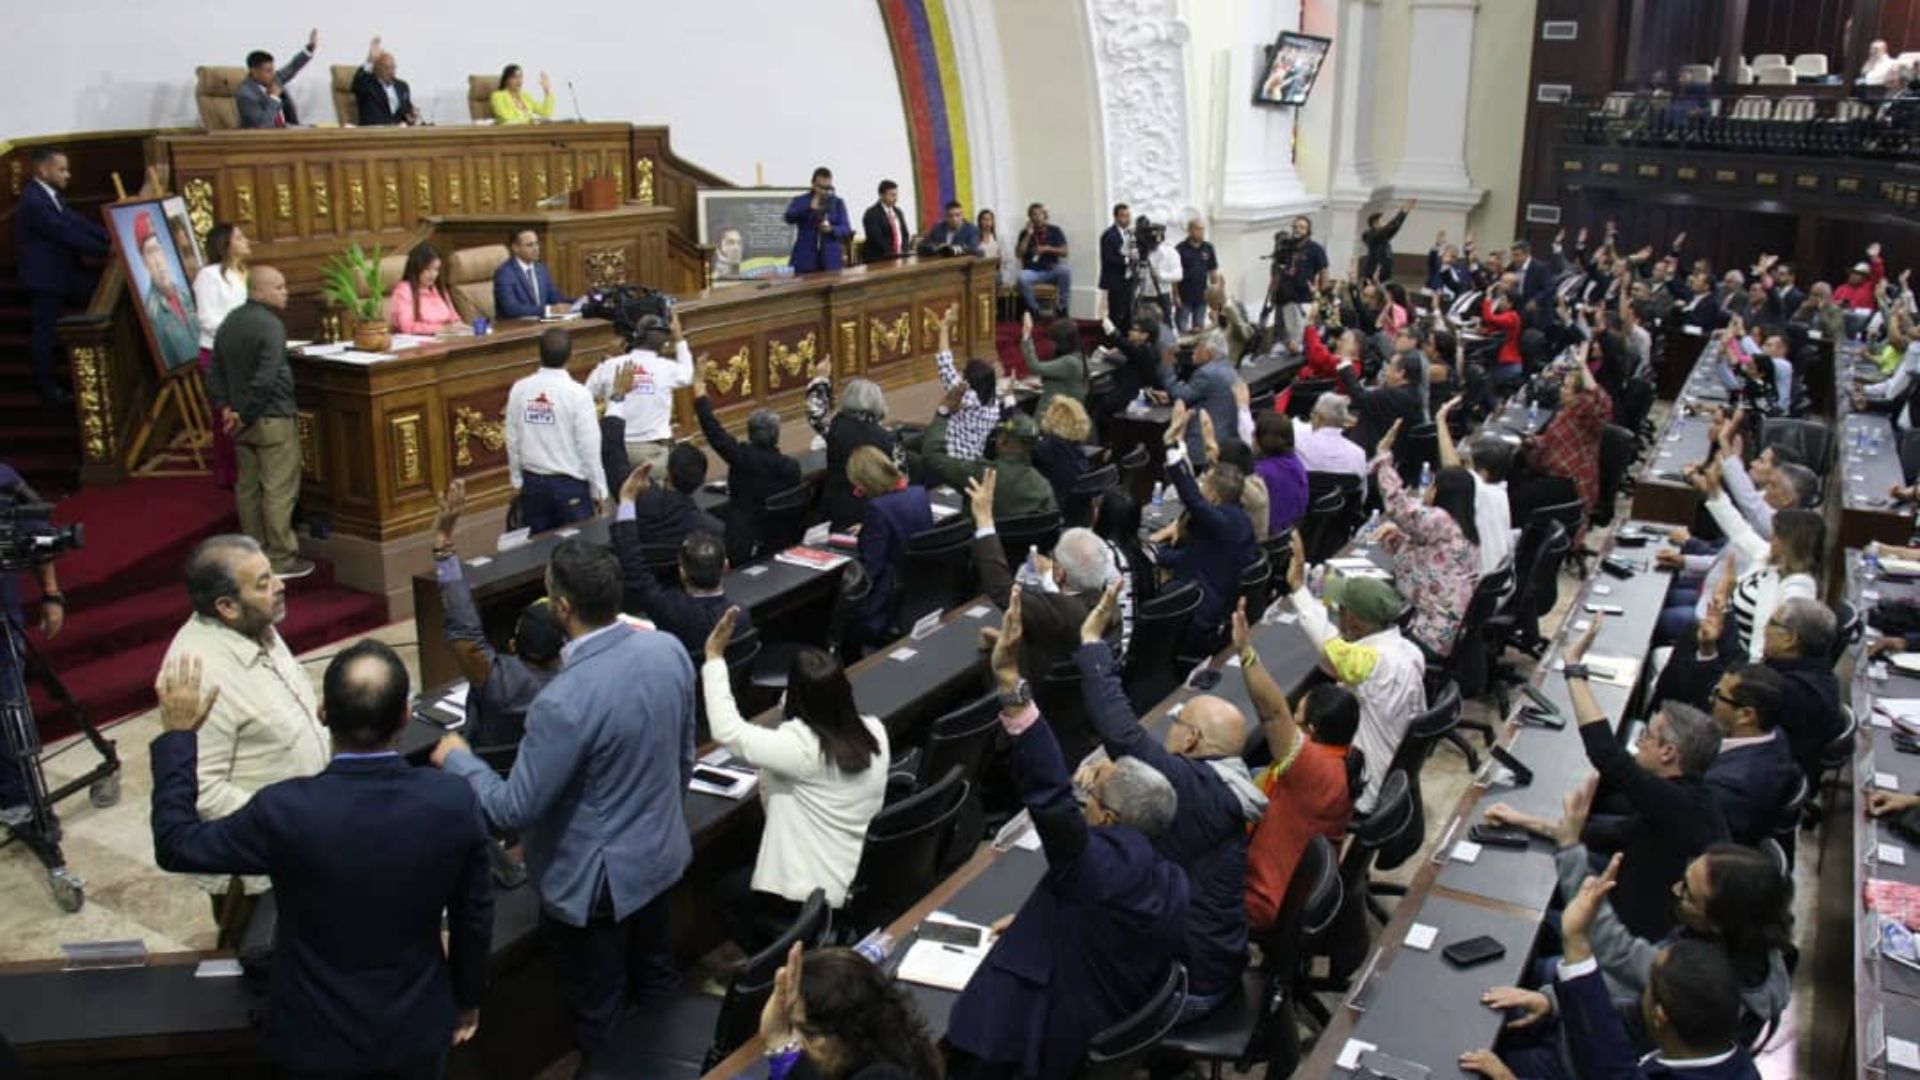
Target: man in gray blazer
x: 262, y: 96
x: 597, y: 792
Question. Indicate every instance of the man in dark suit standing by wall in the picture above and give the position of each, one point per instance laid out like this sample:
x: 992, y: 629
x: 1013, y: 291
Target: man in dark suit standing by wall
x: 888, y: 236
x: 52, y: 238
x: 381, y: 99
x: 1116, y: 266
x: 365, y: 858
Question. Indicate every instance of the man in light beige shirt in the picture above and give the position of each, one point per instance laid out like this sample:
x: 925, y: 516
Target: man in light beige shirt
x: 265, y: 726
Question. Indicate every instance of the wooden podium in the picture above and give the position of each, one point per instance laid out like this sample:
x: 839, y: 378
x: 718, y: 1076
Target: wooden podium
x: 585, y: 249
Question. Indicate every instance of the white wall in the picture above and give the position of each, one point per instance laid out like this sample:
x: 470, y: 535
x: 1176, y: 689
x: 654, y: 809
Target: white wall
x: 741, y: 82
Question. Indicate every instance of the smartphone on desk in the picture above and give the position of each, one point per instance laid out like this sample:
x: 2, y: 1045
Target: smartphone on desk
x: 1502, y: 836
x: 1474, y: 951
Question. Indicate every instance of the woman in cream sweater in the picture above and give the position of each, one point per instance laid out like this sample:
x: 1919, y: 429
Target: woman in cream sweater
x: 823, y: 777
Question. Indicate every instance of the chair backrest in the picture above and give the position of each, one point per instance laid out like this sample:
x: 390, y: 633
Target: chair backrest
x: 1788, y: 818
x: 468, y: 275
x: 938, y: 572
x: 1839, y: 749
x: 1112, y: 1051
x: 1469, y: 657
x: 852, y: 591
x: 1304, y: 393
x: 1158, y: 626
x: 1256, y: 587
x: 748, y: 990
x: 1810, y: 439
x: 213, y: 90
x: 1086, y: 490
x: 1848, y: 629
x: 1392, y: 816
x: 1135, y: 458
x: 1773, y: 75
x: 345, y: 108
x: 1038, y: 531
x: 1325, y: 531
x: 1696, y: 73
x: 898, y: 864
x: 664, y: 561
x: 741, y: 652
x: 960, y: 738
x: 783, y: 518
x: 480, y: 90
x: 1769, y: 59
x: 1278, y: 548
x: 1418, y: 445
x: 1810, y: 64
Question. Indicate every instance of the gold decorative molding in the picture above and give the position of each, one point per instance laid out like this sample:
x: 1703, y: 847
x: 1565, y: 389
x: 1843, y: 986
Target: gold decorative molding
x: 469, y: 424
x: 283, y: 201
x: 243, y: 203
x: 566, y: 174
x: 513, y: 186
x: 1726, y: 176
x: 423, y: 192
x: 409, y: 464
x: 356, y: 198
x: 607, y: 266
x: 884, y: 339
x: 198, y: 193
x: 539, y: 182
x: 794, y: 360
x: 619, y: 172
x: 1687, y: 172
x: 390, y: 194
x: 737, y: 370
x: 484, y: 182
x: 1767, y: 178
x: 849, y: 346
x: 94, y: 397
x: 1609, y: 168
x: 17, y: 176
x: 1571, y: 165
x: 456, y: 199
x: 1647, y: 171
x: 983, y: 325
x: 930, y: 323
x: 322, y: 202
x: 1847, y: 185
x: 643, y: 176
x: 1807, y: 181
x: 307, y: 429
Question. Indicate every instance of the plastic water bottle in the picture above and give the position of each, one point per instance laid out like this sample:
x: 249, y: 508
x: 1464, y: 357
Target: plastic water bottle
x: 1159, y: 492
x: 876, y: 946
x: 1372, y: 526
x: 1533, y: 415
x: 1030, y: 570
x: 1426, y: 475
x: 1870, y: 561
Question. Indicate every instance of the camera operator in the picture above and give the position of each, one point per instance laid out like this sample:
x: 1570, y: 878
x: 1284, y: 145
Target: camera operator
x: 1119, y: 256
x: 638, y: 387
x: 1163, y: 267
x: 15, y: 808
x: 1299, y: 273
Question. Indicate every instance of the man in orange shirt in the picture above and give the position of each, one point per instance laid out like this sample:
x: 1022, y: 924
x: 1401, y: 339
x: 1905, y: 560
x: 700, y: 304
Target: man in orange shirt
x: 1308, y: 791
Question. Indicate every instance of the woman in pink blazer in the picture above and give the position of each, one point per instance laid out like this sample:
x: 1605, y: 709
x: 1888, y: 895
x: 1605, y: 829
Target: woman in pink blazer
x: 419, y: 304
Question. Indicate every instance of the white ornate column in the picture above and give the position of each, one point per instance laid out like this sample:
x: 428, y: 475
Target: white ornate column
x: 1259, y: 189
x: 1139, y: 55
x: 1355, y: 181
x: 983, y: 94
x: 1433, y: 141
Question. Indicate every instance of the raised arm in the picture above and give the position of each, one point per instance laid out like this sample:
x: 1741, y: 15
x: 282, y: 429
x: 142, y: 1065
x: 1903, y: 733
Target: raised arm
x: 785, y: 750
x: 472, y: 652
x: 1108, y: 712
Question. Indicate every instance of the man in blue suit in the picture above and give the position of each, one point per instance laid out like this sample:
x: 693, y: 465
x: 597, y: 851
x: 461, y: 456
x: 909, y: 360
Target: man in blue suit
x: 1535, y: 277
x: 1097, y: 937
x: 596, y: 793
x: 820, y: 226
x: 1691, y: 1007
x: 1754, y: 776
x: 52, y: 238
x: 522, y: 286
x: 365, y: 858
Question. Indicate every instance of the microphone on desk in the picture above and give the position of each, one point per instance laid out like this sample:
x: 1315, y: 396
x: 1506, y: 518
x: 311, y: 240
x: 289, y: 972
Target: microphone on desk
x: 575, y: 95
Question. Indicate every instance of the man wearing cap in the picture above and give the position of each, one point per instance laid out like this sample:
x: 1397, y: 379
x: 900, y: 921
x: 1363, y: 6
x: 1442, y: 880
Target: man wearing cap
x: 170, y: 313
x: 1362, y: 648
x: 1019, y: 489
x: 647, y: 403
x: 1856, y: 293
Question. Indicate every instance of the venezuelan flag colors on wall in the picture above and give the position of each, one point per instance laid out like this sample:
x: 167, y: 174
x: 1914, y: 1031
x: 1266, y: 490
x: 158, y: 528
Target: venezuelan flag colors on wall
x: 930, y: 90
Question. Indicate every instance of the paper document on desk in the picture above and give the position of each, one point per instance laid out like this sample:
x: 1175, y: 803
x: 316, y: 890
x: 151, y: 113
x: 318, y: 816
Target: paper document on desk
x: 355, y: 356
x: 942, y: 966
x: 1906, y: 663
x: 1894, y: 566
x: 1613, y: 670
x: 1903, y: 712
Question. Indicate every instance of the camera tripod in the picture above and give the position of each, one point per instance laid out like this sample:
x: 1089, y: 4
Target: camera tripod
x: 20, y: 748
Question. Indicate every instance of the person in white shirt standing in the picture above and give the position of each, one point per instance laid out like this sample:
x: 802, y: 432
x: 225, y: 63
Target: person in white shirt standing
x: 553, y: 442
x: 647, y: 407
x: 1490, y: 459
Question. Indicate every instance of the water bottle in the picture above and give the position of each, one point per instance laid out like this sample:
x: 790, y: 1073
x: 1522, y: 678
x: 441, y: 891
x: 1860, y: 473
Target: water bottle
x: 1426, y: 475
x: 876, y: 946
x: 1870, y: 561
x: 1372, y: 526
x: 1029, y: 570
x: 1533, y: 415
x: 1159, y: 492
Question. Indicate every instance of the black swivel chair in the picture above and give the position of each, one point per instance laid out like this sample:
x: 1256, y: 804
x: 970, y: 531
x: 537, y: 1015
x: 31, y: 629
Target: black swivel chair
x: 692, y: 1033
x: 1305, y: 393
x: 1572, y: 517
x: 1114, y: 1053
x: 1811, y: 440
x: 1323, y: 532
x: 1389, y: 825
x: 783, y: 521
x: 1158, y: 627
x: 774, y: 661
x: 1037, y: 531
x: 1086, y: 490
x: 902, y: 856
x: 938, y: 571
x: 1470, y: 664
x: 664, y: 561
x: 1416, y: 747
x: 1256, y: 588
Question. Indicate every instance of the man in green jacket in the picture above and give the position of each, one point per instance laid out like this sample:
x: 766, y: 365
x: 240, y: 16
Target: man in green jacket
x: 1021, y: 489
x: 251, y: 386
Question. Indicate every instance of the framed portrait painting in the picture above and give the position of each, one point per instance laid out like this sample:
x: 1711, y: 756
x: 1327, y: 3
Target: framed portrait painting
x: 160, y: 254
x: 748, y: 230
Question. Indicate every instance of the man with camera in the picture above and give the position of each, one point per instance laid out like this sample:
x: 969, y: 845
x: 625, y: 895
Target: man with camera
x: 638, y: 387
x: 822, y: 227
x: 16, y: 501
x: 1299, y: 272
x: 1119, y: 254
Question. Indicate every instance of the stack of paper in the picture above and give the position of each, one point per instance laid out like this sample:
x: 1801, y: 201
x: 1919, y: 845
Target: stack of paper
x: 944, y: 966
x: 812, y: 558
x: 1904, y: 712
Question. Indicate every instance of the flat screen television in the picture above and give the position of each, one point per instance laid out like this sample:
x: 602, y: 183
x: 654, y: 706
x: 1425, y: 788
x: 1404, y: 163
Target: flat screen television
x: 1292, y: 64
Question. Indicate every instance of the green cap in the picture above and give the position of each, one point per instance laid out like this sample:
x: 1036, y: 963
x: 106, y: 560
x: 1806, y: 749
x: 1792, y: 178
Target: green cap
x: 1369, y: 598
x: 1021, y: 426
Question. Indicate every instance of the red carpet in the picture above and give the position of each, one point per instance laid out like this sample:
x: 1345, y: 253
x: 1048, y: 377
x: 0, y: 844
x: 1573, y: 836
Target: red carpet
x: 1006, y: 342
x: 126, y: 594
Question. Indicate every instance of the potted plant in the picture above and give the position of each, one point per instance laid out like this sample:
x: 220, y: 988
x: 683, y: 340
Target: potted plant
x: 351, y: 282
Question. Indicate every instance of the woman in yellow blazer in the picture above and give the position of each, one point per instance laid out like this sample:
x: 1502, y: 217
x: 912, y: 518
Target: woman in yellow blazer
x: 511, y: 105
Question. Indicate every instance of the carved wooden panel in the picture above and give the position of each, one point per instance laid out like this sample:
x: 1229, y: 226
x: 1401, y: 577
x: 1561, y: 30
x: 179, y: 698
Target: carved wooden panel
x: 889, y: 336
x: 313, y: 467
x: 477, y: 431
x: 791, y: 354
x: 931, y: 312
x: 729, y: 370
x: 407, y: 451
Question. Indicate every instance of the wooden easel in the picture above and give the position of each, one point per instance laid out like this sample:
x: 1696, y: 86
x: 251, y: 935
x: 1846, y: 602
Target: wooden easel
x: 182, y: 398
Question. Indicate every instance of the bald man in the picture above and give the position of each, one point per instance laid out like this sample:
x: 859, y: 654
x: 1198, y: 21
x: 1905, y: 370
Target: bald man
x: 1200, y: 757
x: 251, y: 386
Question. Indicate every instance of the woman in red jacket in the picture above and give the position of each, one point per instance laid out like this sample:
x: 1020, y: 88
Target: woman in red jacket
x: 1322, y: 363
x: 1498, y: 317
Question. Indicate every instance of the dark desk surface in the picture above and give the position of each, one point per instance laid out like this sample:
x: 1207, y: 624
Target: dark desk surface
x: 1659, y: 494
x: 42, y: 1007
x: 1866, y: 467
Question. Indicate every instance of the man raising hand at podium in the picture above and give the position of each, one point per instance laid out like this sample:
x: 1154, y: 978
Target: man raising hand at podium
x: 822, y: 226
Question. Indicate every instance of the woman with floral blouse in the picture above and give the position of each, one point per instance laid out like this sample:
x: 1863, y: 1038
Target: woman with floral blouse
x: 1434, y: 547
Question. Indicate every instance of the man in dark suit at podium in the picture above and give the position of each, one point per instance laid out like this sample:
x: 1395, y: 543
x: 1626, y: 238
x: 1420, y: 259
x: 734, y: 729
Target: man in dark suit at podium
x: 382, y: 99
x: 1116, y: 266
x: 522, y: 287
x: 365, y: 858
x: 820, y: 218
x: 888, y: 236
x: 52, y: 238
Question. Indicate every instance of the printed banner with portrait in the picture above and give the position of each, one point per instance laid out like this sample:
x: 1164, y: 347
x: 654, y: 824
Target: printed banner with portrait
x: 161, y: 254
x: 748, y: 230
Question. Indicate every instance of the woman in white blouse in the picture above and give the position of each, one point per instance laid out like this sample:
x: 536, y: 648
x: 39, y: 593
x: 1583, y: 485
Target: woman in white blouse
x: 1777, y: 570
x: 218, y: 288
x: 823, y: 777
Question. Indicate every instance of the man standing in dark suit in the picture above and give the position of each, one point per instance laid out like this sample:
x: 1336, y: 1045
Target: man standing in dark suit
x: 365, y: 858
x: 820, y: 225
x: 261, y: 98
x: 381, y: 99
x: 888, y: 236
x: 1096, y: 938
x: 52, y: 239
x: 1535, y: 277
x: 523, y: 287
x: 1116, y: 266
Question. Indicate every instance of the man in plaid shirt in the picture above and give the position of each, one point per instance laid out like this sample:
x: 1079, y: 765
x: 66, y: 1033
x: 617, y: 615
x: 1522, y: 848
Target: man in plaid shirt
x: 972, y: 423
x: 1570, y: 444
